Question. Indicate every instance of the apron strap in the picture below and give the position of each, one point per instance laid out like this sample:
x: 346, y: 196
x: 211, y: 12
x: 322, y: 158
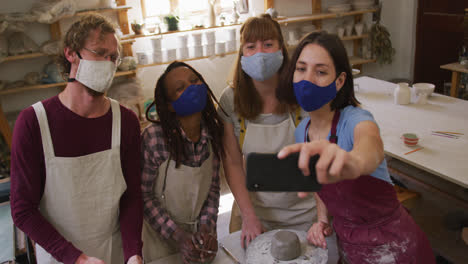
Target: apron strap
x: 333, y: 137
x: 297, y: 119
x: 45, y: 130
x: 242, y: 131
x: 336, y: 118
x: 116, y: 123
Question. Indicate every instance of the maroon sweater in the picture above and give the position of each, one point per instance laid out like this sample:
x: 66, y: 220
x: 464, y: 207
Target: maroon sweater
x: 72, y: 136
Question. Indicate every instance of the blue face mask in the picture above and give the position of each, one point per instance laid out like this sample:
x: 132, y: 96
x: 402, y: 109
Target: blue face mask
x: 192, y: 100
x: 311, y: 96
x: 262, y: 66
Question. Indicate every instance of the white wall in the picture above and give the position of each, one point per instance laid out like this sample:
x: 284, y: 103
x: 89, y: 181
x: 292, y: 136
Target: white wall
x: 399, y: 16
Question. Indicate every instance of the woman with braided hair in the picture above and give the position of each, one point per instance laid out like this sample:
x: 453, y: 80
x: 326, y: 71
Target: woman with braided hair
x: 181, y: 153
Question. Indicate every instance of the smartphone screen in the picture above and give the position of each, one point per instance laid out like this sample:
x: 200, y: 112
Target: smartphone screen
x: 265, y: 172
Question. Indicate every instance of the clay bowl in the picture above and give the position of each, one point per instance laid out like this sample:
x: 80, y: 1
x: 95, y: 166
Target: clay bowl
x: 410, y: 139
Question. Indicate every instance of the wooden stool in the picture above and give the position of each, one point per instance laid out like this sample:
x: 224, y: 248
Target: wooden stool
x: 406, y: 197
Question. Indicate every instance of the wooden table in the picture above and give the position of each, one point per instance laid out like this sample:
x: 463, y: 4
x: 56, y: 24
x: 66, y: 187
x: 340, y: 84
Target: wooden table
x: 444, y: 157
x: 456, y: 69
x: 438, y: 172
x: 232, y: 243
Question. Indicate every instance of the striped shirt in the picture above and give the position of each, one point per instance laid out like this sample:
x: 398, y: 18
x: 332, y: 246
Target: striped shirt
x: 155, y: 151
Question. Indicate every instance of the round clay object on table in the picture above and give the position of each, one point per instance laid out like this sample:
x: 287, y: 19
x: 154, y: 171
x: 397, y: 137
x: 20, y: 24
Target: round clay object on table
x: 285, y: 245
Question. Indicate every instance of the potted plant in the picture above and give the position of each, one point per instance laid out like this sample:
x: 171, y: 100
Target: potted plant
x: 172, y: 22
x: 137, y: 28
x: 381, y: 45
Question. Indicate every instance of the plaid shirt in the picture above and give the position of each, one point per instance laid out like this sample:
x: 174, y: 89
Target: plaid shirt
x: 154, y: 152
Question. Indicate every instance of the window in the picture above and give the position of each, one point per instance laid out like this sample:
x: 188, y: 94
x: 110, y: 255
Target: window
x: 193, y: 11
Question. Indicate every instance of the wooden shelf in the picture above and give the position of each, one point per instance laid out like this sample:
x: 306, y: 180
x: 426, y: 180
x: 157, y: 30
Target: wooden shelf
x: 190, y: 59
x: 52, y: 85
x: 320, y: 16
x: 354, y: 37
x: 99, y: 10
x: 353, y: 60
x: 133, y: 36
x: 24, y: 56
x: 5, y: 180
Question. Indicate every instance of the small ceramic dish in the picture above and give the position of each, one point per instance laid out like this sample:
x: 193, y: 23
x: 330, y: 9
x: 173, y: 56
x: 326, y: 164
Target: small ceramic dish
x: 410, y: 139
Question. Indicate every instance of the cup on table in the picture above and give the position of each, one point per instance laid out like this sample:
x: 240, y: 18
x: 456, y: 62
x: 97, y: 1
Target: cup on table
x: 410, y: 139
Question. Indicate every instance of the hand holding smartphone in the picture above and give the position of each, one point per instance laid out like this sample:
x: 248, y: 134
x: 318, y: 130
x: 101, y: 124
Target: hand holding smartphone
x: 265, y: 172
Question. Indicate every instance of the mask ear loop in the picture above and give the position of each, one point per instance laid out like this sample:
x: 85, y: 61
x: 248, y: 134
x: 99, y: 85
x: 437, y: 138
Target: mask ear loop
x: 73, y: 79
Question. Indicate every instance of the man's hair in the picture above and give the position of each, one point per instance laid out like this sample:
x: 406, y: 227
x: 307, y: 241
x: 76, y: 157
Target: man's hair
x: 78, y: 33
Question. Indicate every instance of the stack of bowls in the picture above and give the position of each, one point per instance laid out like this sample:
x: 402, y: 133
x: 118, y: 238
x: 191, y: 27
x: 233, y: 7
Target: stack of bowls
x: 197, y: 45
x: 210, y: 38
x: 363, y: 4
x: 424, y: 88
x: 182, y: 47
x: 157, y: 50
x: 410, y: 139
x: 339, y: 8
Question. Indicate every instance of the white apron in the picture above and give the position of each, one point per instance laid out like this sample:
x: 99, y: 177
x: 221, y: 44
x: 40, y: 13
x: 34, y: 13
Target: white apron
x: 82, y: 194
x: 182, y: 192
x: 278, y: 209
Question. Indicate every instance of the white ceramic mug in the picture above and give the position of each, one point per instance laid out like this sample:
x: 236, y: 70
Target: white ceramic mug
x: 210, y: 49
x: 182, y: 41
x: 197, y: 51
x: 220, y: 48
x: 183, y: 53
x: 210, y: 37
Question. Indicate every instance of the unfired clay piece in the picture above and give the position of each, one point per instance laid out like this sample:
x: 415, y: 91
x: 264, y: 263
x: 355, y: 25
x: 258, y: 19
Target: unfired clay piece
x: 285, y: 245
x: 259, y: 250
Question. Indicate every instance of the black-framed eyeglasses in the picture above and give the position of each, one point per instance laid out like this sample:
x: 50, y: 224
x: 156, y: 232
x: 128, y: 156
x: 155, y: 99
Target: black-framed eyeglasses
x: 114, y: 58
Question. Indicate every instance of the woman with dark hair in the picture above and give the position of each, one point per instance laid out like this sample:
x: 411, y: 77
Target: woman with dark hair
x: 258, y: 122
x: 370, y: 223
x: 181, y: 153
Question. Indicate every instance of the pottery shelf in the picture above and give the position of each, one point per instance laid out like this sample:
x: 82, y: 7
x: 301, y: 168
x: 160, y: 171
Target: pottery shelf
x: 189, y: 59
x: 353, y: 60
x: 322, y: 16
x: 40, y: 54
x: 5, y: 180
x: 52, y: 85
x: 100, y: 10
x: 134, y: 36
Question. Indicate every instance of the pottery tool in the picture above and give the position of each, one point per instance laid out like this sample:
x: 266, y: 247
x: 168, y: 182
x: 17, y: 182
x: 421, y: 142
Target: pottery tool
x: 444, y: 135
x: 445, y: 132
x: 229, y: 254
x: 413, y: 151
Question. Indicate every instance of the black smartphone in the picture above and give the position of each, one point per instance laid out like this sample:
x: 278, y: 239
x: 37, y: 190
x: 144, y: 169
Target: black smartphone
x: 265, y: 172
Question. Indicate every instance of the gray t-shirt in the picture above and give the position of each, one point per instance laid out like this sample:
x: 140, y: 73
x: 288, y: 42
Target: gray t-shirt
x: 227, y: 103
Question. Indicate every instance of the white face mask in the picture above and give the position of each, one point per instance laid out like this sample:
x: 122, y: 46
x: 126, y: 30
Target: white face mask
x: 96, y: 75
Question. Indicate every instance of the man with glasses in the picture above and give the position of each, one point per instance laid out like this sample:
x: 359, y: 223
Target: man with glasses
x: 75, y: 167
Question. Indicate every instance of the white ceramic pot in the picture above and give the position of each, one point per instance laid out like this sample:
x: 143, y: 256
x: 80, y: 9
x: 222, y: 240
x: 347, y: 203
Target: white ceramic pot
x: 197, y: 51
x: 170, y: 55
x: 182, y: 41
x: 210, y: 49
x: 220, y: 48
x: 231, y: 46
x: 359, y: 27
x: 197, y: 39
x: 349, y: 29
x: 143, y: 58
x: 183, y: 53
x: 231, y: 33
x: 210, y: 37
x: 157, y: 56
x: 156, y: 43
x: 340, y: 31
